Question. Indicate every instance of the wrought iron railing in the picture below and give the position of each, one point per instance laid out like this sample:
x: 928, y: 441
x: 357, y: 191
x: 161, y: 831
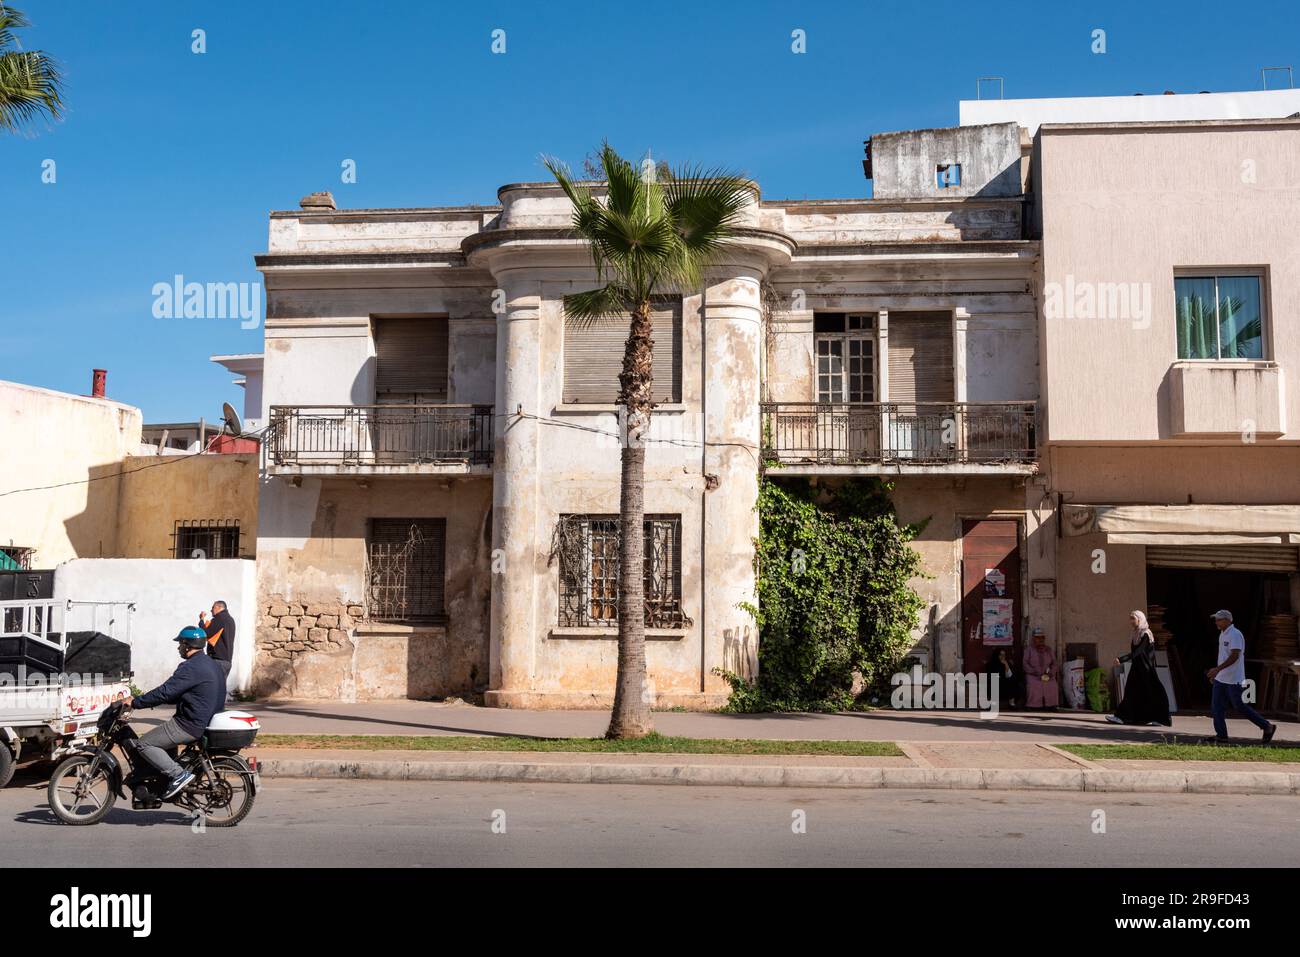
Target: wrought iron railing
x: 903, y: 433
x: 303, y: 435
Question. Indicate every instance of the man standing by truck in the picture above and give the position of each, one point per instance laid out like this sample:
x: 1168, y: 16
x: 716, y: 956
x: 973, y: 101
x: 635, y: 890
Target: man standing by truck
x: 220, y: 629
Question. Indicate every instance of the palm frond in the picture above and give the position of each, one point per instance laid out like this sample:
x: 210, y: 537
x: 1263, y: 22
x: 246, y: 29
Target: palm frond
x: 609, y: 301
x: 30, y: 86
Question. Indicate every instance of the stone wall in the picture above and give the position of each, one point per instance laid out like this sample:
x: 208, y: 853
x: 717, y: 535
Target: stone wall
x: 290, y: 631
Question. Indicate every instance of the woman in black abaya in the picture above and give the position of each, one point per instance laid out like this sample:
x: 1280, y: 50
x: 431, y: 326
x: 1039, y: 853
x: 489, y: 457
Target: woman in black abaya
x: 1145, y: 701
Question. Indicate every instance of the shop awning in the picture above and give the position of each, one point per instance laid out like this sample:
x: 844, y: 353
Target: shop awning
x: 1241, y: 537
x: 1185, y: 524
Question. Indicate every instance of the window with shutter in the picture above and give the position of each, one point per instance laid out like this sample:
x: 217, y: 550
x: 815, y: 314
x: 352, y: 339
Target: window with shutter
x: 410, y: 359
x: 593, y: 356
x: 405, y: 569
x: 920, y: 357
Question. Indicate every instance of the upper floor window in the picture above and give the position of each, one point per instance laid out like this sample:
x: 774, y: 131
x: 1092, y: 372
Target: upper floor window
x: 593, y: 356
x: 411, y: 360
x: 1219, y: 316
x: 846, y: 357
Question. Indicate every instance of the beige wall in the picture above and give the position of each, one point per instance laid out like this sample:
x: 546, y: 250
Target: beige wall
x: 155, y: 496
x: 52, y: 438
x: 1129, y: 206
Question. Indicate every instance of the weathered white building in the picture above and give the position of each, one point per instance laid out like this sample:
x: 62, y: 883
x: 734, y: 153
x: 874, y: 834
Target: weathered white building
x: 442, y: 467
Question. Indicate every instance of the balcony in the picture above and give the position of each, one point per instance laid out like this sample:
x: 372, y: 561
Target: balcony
x: 379, y: 440
x: 889, y: 438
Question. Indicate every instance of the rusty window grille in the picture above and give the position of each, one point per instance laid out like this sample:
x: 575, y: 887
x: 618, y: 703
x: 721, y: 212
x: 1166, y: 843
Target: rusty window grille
x: 16, y: 558
x: 405, y: 569
x: 586, y: 547
x: 206, y: 538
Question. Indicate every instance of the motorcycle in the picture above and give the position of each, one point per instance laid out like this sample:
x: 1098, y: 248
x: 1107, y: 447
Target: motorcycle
x: 84, y: 788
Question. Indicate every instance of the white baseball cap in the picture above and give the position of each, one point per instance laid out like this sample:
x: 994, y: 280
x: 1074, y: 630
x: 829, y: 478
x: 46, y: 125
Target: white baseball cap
x: 1223, y: 613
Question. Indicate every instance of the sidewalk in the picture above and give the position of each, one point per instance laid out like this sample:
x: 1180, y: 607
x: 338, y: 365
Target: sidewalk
x: 426, y: 717
x: 940, y: 750
x: 1015, y: 767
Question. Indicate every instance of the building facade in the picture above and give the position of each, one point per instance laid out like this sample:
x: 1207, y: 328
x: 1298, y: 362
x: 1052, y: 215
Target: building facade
x: 441, y: 471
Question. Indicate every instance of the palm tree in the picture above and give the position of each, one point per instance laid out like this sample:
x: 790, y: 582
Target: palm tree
x: 30, y: 82
x: 650, y: 236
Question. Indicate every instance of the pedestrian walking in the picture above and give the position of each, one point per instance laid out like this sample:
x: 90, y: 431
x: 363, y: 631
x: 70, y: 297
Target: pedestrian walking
x: 1228, y: 676
x: 1144, y: 701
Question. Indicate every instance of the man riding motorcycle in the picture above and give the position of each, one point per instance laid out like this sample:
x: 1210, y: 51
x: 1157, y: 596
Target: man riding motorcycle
x: 198, y: 689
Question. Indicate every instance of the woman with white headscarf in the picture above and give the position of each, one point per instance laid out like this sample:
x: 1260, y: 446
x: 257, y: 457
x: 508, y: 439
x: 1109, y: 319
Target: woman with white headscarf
x: 1144, y: 701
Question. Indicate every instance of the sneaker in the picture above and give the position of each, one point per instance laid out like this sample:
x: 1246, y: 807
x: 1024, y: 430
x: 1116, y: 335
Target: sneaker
x: 176, y: 784
x: 1268, y: 735
x: 1114, y: 719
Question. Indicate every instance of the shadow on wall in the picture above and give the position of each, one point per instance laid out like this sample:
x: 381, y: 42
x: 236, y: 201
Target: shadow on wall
x: 92, y: 532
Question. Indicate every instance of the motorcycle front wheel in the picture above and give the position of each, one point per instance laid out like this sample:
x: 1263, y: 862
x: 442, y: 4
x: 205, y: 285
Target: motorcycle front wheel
x: 78, y: 796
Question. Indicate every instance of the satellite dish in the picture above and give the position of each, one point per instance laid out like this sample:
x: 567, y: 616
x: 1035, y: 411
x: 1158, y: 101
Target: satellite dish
x: 231, y: 419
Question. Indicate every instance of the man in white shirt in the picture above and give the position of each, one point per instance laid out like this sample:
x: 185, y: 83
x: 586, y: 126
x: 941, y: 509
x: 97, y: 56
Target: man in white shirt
x: 1227, y: 678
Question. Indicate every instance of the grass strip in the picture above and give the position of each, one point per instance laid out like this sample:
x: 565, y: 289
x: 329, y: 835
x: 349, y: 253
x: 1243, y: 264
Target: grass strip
x: 651, y: 744
x: 1275, y: 754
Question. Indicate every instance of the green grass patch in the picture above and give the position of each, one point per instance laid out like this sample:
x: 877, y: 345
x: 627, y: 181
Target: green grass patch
x: 651, y: 744
x: 1275, y: 754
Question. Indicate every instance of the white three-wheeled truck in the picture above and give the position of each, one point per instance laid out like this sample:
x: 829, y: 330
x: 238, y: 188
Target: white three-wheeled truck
x: 61, y: 664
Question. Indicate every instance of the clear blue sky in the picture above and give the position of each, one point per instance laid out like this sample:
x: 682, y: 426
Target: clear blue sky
x: 168, y: 161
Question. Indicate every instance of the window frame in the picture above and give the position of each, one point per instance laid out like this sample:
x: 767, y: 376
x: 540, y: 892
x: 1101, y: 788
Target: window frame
x: 574, y: 588
x: 1215, y: 274
x: 437, y: 612
x: 190, y: 528
x: 676, y: 398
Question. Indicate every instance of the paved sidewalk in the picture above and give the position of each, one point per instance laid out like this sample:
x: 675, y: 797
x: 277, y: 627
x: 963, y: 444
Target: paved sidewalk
x: 1010, y: 767
x: 430, y: 718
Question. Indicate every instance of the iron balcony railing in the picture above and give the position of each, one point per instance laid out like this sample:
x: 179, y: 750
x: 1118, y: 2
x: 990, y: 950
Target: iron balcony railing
x: 902, y: 433
x: 379, y: 435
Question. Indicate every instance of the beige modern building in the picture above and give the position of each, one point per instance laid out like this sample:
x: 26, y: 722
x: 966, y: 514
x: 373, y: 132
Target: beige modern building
x: 1170, y: 346
x: 441, y: 475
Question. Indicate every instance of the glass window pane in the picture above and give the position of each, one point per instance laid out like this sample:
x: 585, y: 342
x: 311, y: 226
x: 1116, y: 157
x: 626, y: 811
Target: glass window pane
x: 1241, y: 328
x: 1195, y: 316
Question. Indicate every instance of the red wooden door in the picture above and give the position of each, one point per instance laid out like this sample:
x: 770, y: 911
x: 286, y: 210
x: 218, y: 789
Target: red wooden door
x: 990, y: 573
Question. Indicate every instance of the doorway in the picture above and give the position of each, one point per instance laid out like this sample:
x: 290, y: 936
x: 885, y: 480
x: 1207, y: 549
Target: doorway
x: 990, y: 584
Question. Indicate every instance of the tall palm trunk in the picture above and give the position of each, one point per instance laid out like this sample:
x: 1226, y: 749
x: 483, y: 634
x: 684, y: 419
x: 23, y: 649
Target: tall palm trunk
x: 632, y: 716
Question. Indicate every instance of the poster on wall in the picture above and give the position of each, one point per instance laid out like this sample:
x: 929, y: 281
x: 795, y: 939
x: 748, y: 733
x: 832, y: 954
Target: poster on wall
x: 997, y: 621
x: 995, y: 583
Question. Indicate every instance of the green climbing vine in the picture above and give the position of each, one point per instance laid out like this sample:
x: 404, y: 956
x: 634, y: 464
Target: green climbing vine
x: 834, y: 600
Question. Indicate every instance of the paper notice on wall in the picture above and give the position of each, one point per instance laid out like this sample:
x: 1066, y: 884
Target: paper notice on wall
x: 997, y: 621
x: 995, y: 583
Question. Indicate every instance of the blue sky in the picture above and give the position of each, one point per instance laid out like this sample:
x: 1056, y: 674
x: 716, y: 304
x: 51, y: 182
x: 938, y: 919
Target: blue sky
x: 168, y: 161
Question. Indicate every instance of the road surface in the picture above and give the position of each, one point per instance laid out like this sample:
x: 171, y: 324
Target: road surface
x: 413, y: 824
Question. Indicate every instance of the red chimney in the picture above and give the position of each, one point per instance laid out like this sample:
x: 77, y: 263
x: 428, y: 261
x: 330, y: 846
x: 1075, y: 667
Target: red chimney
x: 97, y: 380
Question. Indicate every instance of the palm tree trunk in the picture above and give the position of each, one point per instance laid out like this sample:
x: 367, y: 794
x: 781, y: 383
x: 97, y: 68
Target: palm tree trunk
x: 632, y: 716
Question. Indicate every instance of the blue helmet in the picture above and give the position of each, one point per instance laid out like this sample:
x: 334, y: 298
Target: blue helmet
x: 192, y: 636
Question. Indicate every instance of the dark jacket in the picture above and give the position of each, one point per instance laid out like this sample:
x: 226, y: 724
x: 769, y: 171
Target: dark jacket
x: 197, y: 688
x: 221, y: 635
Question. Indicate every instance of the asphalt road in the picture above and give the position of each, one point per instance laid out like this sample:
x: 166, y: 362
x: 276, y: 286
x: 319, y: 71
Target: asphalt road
x: 412, y: 824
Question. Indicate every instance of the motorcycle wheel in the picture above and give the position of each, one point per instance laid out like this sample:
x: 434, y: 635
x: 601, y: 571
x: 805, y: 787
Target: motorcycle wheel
x: 72, y: 791
x: 226, y: 800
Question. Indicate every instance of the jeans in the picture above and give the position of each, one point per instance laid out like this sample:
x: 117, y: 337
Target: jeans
x: 1227, y: 696
x: 169, y: 734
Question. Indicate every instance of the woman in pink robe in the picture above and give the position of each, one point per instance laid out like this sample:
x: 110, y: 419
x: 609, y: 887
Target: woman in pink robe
x: 1042, y: 688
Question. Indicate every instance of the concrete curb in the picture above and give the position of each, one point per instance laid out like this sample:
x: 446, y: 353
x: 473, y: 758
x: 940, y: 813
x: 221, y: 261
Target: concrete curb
x: 718, y: 775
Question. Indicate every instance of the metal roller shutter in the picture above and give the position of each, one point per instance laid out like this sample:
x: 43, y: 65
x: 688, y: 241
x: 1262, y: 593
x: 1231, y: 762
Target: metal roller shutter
x: 593, y: 357
x: 1240, y: 558
x: 920, y: 357
x: 411, y: 359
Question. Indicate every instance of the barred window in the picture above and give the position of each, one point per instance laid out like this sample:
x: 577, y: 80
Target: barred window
x: 587, y: 549
x: 405, y: 569
x: 206, y: 538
